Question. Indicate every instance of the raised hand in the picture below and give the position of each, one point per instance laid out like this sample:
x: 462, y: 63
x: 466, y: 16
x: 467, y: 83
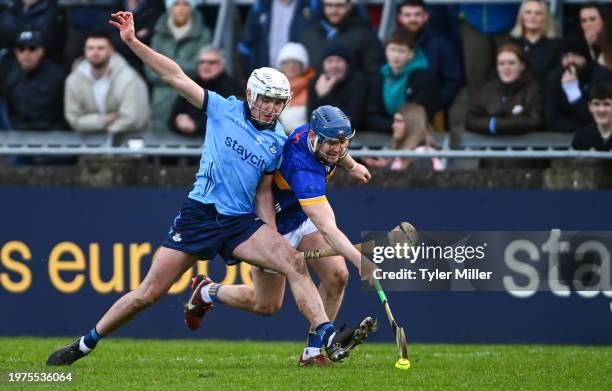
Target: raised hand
x: 124, y: 21
x: 324, y: 85
x: 185, y: 124
x: 570, y: 75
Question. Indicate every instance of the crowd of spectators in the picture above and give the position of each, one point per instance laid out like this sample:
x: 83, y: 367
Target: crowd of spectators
x: 62, y: 67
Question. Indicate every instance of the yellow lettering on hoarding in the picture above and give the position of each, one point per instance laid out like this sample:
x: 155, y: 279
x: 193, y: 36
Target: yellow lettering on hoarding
x: 137, y: 252
x: 15, y: 266
x: 116, y: 282
x: 57, y: 264
x: 230, y: 275
x: 182, y: 283
x: 245, y: 273
x: 202, y: 267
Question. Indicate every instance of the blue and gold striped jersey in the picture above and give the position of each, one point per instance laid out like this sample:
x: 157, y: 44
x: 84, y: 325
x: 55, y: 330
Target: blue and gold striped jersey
x: 300, y: 180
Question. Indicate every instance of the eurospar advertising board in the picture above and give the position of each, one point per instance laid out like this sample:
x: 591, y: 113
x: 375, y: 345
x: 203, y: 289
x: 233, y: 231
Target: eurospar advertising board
x: 66, y: 254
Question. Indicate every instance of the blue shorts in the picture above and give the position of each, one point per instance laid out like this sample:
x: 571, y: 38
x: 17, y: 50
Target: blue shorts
x: 200, y: 230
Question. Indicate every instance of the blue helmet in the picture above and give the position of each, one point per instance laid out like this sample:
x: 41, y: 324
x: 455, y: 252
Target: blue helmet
x: 330, y: 123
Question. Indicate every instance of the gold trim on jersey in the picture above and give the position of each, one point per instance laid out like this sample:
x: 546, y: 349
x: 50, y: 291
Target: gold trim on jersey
x: 281, y: 182
x: 313, y: 201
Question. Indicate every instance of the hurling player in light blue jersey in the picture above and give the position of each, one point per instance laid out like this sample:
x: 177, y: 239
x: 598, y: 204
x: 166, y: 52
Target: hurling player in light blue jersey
x: 241, y: 152
x: 306, y: 219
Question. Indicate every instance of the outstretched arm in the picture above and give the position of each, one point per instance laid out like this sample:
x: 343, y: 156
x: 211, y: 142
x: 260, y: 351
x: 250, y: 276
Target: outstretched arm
x: 165, y: 68
x: 322, y: 215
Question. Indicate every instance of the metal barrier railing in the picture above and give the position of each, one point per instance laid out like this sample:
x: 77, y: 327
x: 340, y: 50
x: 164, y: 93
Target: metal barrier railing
x: 62, y: 143
x: 183, y: 151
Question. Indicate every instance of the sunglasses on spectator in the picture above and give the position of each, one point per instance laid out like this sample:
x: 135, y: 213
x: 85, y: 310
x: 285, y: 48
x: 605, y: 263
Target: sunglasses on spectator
x: 209, y: 62
x: 23, y: 48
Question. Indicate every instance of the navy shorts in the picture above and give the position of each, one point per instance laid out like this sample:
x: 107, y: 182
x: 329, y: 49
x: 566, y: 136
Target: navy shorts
x: 199, y: 229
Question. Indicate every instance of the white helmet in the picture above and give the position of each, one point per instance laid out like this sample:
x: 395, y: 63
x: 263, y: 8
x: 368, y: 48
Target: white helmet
x: 271, y: 83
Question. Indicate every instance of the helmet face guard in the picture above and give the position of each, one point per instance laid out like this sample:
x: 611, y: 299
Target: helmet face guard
x: 260, y: 110
x: 331, y: 126
x: 342, y: 140
x: 270, y: 83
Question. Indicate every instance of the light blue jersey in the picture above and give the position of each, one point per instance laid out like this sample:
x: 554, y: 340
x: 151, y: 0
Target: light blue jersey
x: 235, y: 156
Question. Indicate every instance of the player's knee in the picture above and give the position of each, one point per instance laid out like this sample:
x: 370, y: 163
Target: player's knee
x: 340, y: 277
x: 293, y: 261
x: 268, y: 309
x: 297, y: 263
x: 146, y: 297
x: 336, y: 280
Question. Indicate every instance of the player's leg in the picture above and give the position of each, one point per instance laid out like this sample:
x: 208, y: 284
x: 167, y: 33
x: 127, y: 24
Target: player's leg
x: 267, y: 249
x: 264, y: 297
x: 248, y: 238
x: 332, y: 272
x: 166, y: 268
x: 333, y: 275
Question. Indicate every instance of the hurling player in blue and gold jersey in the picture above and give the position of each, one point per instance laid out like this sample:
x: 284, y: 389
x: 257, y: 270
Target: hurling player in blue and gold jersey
x: 303, y: 214
x: 229, y: 211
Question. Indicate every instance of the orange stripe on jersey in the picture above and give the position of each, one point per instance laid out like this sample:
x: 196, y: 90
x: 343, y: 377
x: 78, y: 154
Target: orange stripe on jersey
x: 280, y: 181
x: 313, y: 201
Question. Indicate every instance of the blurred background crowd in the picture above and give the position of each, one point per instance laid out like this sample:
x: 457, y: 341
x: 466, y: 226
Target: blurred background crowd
x: 493, y: 69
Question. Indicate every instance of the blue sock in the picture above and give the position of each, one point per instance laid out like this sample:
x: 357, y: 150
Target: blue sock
x: 213, y: 291
x: 314, y: 341
x: 209, y: 293
x: 324, y: 332
x: 91, y: 339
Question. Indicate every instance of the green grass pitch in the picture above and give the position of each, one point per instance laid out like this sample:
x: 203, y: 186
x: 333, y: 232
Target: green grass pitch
x: 119, y: 364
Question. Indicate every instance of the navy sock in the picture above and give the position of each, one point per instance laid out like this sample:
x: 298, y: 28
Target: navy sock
x: 213, y: 292
x: 324, y: 332
x: 91, y: 339
x: 314, y: 341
